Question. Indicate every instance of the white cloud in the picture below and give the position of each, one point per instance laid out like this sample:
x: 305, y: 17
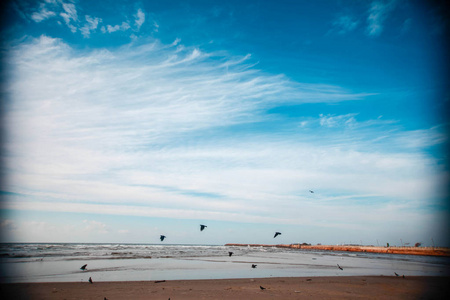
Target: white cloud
x: 123, y: 27
x: 139, y: 18
x: 43, y: 13
x: 156, y: 26
x: 92, y: 24
x: 149, y: 130
x: 337, y: 121
x: 176, y: 42
x: 345, y: 24
x: 70, y: 13
x: 378, y: 12
x: 95, y: 227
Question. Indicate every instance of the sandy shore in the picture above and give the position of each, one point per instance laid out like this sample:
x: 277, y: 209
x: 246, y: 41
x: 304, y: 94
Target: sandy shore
x: 367, y: 287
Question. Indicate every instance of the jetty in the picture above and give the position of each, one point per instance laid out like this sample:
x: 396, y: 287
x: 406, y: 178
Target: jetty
x: 428, y: 251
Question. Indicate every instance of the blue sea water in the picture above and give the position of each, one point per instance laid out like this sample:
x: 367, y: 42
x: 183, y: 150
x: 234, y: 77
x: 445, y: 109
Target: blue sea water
x: 56, y: 262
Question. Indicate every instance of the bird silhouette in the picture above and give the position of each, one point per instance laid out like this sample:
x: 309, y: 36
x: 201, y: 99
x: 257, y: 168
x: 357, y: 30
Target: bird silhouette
x: 262, y: 288
x: 90, y: 280
x: 162, y: 237
x: 276, y: 234
x: 254, y: 266
x: 230, y: 253
x: 83, y: 267
x: 340, y: 267
x: 396, y: 274
x: 202, y: 227
x: 312, y: 192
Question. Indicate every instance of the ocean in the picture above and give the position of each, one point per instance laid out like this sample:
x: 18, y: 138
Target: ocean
x: 57, y: 262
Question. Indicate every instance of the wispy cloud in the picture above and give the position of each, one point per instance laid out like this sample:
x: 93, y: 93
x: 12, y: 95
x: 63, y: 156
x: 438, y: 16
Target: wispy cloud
x: 378, y: 12
x: 92, y: 24
x: 95, y: 227
x: 334, y: 121
x: 42, y: 14
x: 345, y: 24
x: 159, y: 130
x: 123, y: 27
x: 139, y: 18
x: 68, y: 12
x: 69, y: 15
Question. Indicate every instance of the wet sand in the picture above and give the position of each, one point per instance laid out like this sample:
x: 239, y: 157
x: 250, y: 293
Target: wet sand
x: 351, y: 287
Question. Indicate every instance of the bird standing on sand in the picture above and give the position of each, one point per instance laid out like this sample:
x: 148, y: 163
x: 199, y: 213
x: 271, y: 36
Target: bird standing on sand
x: 202, y: 227
x: 262, y: 288
x: 254, y: 266
x: 90, y: 280
x: 396, y: 274
x: 230, y: 253
x: 276, y: 234
x: 162, y: 237
x: 340, y: 267
x: 83, y: 267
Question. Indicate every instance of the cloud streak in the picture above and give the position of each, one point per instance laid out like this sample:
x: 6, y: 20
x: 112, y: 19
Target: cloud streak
x: 163, y: 131
x: 68, y: 12
x: 378, y: 12
x: 139, y: 18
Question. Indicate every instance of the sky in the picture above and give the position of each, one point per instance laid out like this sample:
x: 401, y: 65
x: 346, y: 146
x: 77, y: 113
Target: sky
x: 126, y: 120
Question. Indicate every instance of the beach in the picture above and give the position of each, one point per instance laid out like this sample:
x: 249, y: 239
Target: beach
x: 147, y: 271
x: 349, y: 287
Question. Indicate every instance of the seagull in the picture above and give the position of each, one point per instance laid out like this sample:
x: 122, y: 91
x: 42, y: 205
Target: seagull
x: 340, y: 267
x: 83, y: 267
x: 230, y: 253
x: 90, y: 280
x: 311, y: 191
x: 254, y: 266
x: 396, y: 274
x: 262, y: 288
x: 162, y: 237
x: 202, y: 227
x: 276, y: 234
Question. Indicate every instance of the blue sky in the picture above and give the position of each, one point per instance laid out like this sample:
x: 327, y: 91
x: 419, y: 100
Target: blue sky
x: 126, y: 120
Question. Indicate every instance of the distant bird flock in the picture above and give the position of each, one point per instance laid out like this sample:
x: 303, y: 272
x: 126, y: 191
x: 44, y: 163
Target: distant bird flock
x: 203, y: 227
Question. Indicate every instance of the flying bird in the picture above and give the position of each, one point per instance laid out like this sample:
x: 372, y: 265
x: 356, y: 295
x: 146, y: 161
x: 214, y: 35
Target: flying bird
x: 202, y: 227
x: 340, y: 267
x: 276, y: 234
x: 262, y: 288
x: 83, y: 267
x: 254, y: 266
x: 230, y: 253
x: 90, y: 280
x: 162, y: 237
x: 311, y: 191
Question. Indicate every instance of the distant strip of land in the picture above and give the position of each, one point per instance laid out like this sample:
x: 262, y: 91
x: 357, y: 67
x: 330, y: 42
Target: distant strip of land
x: 430, y: 251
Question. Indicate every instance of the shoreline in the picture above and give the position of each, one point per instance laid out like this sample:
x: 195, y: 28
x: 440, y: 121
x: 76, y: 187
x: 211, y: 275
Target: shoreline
x: 345, y: 287
x: 427, y: 251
